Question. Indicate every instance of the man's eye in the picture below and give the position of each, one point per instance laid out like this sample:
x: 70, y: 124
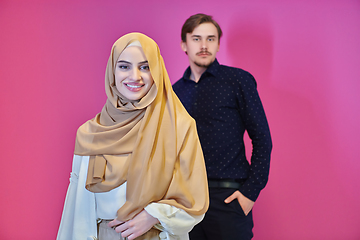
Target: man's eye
x: 196, y: 39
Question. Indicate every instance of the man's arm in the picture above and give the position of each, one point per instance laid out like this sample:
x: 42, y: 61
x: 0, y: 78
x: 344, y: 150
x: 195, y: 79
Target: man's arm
x: 255, y: 122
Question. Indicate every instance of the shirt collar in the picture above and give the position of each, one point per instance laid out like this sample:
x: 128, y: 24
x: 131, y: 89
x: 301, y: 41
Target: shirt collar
x: 212, y: 69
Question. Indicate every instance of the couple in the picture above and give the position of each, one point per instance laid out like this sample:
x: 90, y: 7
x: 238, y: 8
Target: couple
x: 138, y: 169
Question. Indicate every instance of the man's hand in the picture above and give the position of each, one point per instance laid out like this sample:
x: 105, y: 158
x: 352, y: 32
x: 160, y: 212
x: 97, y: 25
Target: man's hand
x: 135, y: 227
x: 245, y: 203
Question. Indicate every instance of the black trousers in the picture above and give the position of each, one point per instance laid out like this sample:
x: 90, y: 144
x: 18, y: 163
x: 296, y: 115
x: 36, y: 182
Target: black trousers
x: 223, y: 221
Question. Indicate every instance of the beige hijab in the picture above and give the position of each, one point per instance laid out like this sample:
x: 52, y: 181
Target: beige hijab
x: 151, y: 144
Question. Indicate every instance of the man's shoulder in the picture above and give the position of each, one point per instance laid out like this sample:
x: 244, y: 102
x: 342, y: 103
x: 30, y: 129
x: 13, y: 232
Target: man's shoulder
x: 178, y: 83
x: 234, y: 70
x: 236, y: 75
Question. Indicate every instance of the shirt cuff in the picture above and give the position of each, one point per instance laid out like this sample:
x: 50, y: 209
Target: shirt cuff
x: 173, y: 220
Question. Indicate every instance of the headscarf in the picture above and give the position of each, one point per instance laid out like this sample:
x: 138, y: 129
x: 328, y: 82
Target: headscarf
x: 164, y: 162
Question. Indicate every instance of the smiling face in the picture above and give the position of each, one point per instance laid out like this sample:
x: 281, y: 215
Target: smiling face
x: 201, y: 45
x: 132, y: 74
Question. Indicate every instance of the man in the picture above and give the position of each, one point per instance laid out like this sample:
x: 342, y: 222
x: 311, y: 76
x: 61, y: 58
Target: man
x: 224, y: 102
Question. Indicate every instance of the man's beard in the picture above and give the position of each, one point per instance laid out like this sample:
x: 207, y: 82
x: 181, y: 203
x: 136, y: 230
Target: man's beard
x: 203, y: 65
x: 206, y: 65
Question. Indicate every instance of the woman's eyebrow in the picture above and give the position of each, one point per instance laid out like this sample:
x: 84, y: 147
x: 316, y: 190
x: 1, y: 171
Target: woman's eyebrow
x: 123, y: 61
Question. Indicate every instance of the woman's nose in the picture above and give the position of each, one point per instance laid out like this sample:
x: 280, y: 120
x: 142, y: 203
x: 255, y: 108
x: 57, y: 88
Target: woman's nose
x: 135, y: 74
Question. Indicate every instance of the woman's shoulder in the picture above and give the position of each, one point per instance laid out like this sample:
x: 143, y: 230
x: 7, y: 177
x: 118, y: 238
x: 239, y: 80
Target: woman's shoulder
x: 183, y: 118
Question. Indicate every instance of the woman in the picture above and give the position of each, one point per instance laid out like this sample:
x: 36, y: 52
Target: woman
x: 139, y: 159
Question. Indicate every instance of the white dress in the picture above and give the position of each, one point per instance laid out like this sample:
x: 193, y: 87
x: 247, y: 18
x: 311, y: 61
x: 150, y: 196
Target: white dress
x: 82, y: 208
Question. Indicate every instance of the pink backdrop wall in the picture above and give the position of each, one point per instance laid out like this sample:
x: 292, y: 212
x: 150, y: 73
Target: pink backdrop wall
x: 305, y: 56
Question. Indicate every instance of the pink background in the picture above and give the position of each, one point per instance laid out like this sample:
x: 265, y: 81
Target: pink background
x: 305, y: 56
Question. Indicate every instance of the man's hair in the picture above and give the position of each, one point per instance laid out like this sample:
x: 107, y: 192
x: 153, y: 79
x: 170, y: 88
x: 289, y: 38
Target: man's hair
x: 195, y: 20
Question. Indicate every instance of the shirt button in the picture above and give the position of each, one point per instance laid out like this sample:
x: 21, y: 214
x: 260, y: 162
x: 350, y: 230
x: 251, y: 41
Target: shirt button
x: 162, y: 235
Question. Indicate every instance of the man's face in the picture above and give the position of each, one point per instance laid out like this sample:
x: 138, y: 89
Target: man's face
x: 202, y: 45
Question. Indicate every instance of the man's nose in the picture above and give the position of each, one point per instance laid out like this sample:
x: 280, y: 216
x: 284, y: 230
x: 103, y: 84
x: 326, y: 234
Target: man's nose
x: 204, y: 44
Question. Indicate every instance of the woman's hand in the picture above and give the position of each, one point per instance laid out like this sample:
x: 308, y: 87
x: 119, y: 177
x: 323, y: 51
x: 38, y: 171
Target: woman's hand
x: 135, y: 227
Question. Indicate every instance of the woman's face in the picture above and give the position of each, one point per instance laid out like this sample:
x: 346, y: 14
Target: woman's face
x: 132, y: 73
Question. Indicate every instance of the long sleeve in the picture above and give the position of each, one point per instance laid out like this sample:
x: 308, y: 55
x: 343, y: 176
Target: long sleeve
x: 80, y: 209
x: 174, y: 222
x: 255, y: 122
x: 79, y: 217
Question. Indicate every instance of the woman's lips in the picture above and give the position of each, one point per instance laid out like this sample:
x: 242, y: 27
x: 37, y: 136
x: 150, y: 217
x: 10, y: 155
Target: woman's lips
x: 134, y: 87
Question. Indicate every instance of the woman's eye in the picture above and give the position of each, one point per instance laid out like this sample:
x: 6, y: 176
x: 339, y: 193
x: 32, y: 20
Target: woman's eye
x: 145, y: 67
x: 123, y: 67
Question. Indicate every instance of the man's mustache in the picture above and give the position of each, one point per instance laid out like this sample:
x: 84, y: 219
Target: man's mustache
x: 204, y: 52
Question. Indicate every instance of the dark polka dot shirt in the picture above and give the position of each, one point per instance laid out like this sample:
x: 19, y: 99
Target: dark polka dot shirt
x: 225, y: 103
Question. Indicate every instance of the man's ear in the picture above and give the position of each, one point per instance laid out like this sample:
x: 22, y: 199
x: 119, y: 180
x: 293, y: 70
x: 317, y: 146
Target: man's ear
x: 183, y: 46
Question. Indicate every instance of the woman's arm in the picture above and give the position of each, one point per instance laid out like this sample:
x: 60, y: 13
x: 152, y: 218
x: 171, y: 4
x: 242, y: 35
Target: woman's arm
x: 169, y: 219
x: 135, y: 227
x: 78, y: 220
x: 173, y: 220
